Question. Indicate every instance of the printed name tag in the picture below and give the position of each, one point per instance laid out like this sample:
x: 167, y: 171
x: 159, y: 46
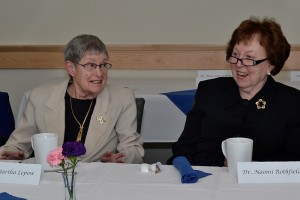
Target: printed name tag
x: 295, y: 76
x: 268, y: 172
x: 18, y: 173
x: 209, y: 74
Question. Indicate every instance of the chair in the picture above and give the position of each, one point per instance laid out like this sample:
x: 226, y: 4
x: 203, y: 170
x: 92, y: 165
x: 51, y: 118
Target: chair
x: 140, y: 103
x: 7, y: 121
x: 22, y: 106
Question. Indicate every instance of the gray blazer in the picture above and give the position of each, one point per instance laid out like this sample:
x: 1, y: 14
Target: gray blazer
x: 45, y: 112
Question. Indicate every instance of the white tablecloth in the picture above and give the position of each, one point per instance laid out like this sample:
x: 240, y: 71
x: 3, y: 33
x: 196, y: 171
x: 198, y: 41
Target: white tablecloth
x: 126, y: 181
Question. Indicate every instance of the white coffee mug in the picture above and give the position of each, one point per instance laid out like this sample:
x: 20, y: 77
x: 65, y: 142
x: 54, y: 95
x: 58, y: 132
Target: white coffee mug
x: 42, y: 144
x: 237, y: 149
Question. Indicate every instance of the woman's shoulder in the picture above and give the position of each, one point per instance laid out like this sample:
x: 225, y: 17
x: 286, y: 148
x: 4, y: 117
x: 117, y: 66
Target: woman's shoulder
x: 288, y: 91
x: 217, y: 83
x: 50, y: 84
x: 47, y: 88
x: 119, y: 92
x: 118, y: 89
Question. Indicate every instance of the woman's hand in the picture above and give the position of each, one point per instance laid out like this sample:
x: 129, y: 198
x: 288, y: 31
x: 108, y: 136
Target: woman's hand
x: 12, y: 155
x: 113, y: 157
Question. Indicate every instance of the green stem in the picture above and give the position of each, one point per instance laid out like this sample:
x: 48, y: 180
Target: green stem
x: 70, y: 189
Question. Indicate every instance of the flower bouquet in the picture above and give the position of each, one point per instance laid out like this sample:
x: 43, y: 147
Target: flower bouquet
x: 66, y: 157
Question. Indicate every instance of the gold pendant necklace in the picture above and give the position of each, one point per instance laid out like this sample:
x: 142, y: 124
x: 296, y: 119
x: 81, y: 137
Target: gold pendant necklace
x: 81, y: 126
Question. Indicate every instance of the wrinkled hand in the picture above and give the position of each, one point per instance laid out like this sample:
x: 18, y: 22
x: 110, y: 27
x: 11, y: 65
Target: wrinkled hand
x: 12, y: 155
x: 113, y: 157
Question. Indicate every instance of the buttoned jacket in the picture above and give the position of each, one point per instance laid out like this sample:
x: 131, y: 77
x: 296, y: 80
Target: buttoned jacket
x: 271, y: 118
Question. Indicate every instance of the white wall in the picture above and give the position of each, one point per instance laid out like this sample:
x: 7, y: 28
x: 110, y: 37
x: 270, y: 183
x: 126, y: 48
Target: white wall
x: 128, y: 22
x: 138, y: 21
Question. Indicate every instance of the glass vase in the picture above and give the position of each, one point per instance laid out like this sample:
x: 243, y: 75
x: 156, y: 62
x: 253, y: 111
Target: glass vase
x: 70, y: 185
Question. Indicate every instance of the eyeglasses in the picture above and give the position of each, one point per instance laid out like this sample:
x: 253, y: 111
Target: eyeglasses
x: 244, y: 61
x: 92, y: 66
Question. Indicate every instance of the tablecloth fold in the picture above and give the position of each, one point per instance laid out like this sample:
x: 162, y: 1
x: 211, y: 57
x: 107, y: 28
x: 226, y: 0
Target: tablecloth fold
x: 6, y: 196
x: 188, y: 174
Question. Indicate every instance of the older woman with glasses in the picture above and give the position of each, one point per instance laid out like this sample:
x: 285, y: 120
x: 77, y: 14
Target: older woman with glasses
x: 83, y: 108
x: 250, y: 104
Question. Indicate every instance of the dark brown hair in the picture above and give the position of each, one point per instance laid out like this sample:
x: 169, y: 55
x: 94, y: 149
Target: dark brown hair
x: 271, y: 38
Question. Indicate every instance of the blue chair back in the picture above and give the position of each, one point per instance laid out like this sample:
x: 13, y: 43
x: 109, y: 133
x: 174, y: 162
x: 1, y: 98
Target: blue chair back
x: 7, y: 121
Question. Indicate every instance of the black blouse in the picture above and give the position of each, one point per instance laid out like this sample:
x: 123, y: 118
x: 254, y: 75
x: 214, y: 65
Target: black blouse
x: 219, y: 113
x: 80, y: 108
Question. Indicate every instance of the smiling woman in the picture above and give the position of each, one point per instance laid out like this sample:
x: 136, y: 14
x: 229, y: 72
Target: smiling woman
x: 249, y: 104
x: 71, y: 108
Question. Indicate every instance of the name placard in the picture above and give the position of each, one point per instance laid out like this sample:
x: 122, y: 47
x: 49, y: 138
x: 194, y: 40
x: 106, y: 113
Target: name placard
x: 268, y: 172
x: 295, y: 76
x: 209, y: 74
x: 18, y: 173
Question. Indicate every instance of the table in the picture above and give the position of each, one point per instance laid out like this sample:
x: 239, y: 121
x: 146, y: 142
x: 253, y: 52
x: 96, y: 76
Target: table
x: 112, y: 181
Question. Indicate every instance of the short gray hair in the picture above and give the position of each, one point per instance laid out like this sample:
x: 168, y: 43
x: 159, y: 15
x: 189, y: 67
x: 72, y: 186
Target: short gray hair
x: 77, y: 48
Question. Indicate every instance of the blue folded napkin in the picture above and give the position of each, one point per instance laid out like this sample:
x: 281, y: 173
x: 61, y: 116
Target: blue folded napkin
x: 188, y: 174
x: 6, y: 196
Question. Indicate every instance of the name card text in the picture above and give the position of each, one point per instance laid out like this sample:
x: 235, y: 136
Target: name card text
x: 268, y: 172
x: 20, y: 173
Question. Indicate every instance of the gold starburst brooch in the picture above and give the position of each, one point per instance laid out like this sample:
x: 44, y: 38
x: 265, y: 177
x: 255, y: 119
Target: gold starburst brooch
x: 261, y: 104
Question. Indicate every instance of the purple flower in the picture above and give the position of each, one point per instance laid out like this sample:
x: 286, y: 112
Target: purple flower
x: 73, y: 149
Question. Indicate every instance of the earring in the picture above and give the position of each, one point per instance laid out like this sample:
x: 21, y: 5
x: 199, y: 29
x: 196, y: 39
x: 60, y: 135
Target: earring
x: 269, y: 73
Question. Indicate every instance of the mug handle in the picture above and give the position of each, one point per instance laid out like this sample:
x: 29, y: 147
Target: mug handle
x: 223, y: 148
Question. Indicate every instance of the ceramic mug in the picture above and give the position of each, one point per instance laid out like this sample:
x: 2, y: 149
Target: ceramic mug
x: 237, y: 149
x: 42, y: 144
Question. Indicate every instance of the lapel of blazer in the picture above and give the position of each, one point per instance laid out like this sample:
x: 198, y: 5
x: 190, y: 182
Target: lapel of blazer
x: 100, y: 122
x: 55, y: 113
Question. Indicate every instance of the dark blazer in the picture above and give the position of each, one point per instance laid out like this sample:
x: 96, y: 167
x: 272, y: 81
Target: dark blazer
x: 7, y: 121
x: 219, y: 113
